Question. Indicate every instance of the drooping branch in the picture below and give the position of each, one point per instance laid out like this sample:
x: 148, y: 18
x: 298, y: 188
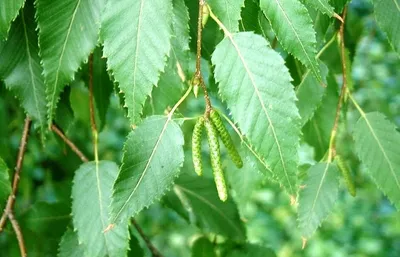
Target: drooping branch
x: 152, y: 248
x: 69, y: 143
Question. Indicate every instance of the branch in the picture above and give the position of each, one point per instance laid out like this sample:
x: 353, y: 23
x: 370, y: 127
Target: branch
x: 69, y: 143
x: 152, y: 248
x: 18, y: 233
x: 332, y: 143
x: 20, y: 159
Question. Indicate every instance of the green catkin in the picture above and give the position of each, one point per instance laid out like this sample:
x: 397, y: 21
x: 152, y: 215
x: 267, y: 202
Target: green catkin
x: 196, y: 146
x: 226, y: 139
x: 346, y: 175
x: 212, y: 136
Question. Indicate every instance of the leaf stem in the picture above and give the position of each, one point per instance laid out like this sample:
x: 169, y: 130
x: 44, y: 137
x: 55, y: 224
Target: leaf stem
x: 152, y: 248
x: 91, y: 109
x: 343, y: 91
x: 180, y: 101
x: 198, y: 78
x: 8, y: 211
x: 69, y: 143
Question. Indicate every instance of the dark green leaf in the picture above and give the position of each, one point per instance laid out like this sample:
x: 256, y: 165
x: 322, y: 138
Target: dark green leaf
x: 8, y: 12
x: 70, y: 246
x: 202, y: 247
x: 5, y: 185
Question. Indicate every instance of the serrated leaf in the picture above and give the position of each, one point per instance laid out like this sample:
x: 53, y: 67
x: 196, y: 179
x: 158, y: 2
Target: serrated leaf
x: 9, y: 10
x: 255, y: 84
x: 376, y: 143
x: 5, y: 184
x: 135, y: 250
x: 20, y: 66
x: 68, y: 32
x: 199, y: 196
x: 318, y: 197
x: 310, y: 93
x: 228, y: 12
x: 294, y: 30
x: 91, y: 198
x: 69, y: 245
x: 137, y: 56
x: 322, y: 6
x: 153, y: 156
x: 202, y: 247
x: 251, y: 250
x: 387, y: 14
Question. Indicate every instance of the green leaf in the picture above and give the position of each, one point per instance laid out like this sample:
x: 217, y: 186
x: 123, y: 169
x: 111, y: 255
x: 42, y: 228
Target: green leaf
x: 228, y: 12
x: 318, y: 129
x: 5, y: 184
x: 310, y: 93
x: 136, y: 57
x: 20, y: 66
x: 202, y: 247
x: 293, y: 28
x: 8, y: 12
x: 91, y: 198
x: 249, y: 21
x: 255, y: 83
x: 376, y: 143
x: 153, y: 156
x: 135, y: 250
x: 68, y: 32
x: 251, y: 250
x: 199, y: 197
x: 70, y: 246
x: 387, y: 13
x: 322, y: 6
x: 318, y: 197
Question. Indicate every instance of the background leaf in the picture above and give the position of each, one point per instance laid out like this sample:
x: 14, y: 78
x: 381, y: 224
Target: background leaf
x: 9, y: 10
x: 228, y: 12
x: 24, y: 74
x: 153, y: 156
x: 91, y: 198
x: 69, y: 245
x: 199, y: 197
x: 318, y: 197
x: 137, y: 56
x: 5, y: 184
x: 251, y: 250
x: 255, y: 83
x: 387, y: 13
x: 202, y: 247
x: 68, y: 32
x: 322, y: 6
x: 293, y: 28
x: 376, y: 143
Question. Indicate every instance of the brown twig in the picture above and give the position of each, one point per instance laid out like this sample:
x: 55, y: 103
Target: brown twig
x: 69, y: 143
x: 152, y: 248
x: 332, y: 144
x: 8, y: 211
x: 198, y: 78
x: 18, y: 233
x: 20, y: 159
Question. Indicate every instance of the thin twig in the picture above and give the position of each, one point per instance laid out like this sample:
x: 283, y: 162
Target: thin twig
x: 69, y: 143
x: 332, y: 143
x: 20, y: 159
x: 18, y: 233
x: 149, y: 245
x: 91, y: 109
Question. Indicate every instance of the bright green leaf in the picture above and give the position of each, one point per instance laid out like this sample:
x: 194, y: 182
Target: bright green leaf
x: 206, y: 210
x: 8, y: 12
x: 70, y: 246
x: 68, y: 32
x: 318, y: 197
x: 91, y: 198
x: 251, y: 250
x: 293, y: 28
x: 322, y: 6
x: 137, y: 56
x: 387, y: 13
x: 153, y: 156
x: 5, y: 185
x: 228, y: 12
x: 20, y: 66
x: 255, y: 83
x: 202, y: 247
x: 376, y: 143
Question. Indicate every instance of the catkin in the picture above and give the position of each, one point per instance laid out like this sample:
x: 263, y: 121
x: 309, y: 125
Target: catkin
x: 346, y: 175
x: 196, y: 146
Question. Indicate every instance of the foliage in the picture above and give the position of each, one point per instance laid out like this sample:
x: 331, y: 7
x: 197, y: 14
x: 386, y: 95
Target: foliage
x: 303, y: 94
